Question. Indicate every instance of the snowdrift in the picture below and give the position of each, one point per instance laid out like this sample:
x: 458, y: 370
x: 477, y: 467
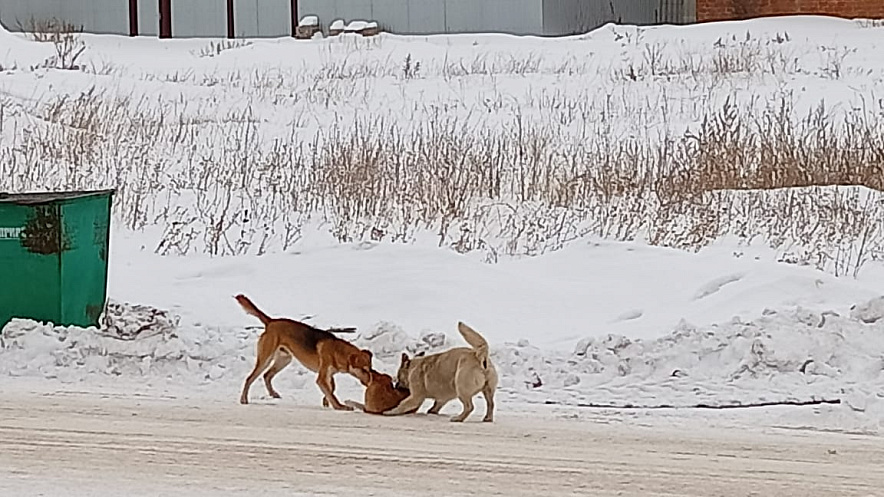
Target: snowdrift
x: 16, y: 52
x: 794, y: 357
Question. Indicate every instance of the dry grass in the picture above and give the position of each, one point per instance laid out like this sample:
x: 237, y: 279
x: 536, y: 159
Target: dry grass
x: 63, y: 35
x: 483, y: 171
x: 870, y: 23
x: 520, y: 189
x: 213, y: 49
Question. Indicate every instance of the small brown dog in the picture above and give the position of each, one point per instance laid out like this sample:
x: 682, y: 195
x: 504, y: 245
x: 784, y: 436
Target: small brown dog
x: 380, y: 394
x: 318, y: 350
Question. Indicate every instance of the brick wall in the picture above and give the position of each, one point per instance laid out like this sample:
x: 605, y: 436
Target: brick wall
x: 716, y: 10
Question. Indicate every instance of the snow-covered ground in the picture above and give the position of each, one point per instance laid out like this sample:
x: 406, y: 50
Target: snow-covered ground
x: 596, y: 324
x: 105, y: 443
x: 577, y: 313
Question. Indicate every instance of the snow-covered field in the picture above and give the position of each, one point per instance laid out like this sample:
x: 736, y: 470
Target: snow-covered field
x: 533, y: 188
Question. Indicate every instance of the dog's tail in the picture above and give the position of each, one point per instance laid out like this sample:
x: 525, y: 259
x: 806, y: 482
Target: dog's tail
x: 350, y: 329
x: 476, y: 342
x: 252, y: 309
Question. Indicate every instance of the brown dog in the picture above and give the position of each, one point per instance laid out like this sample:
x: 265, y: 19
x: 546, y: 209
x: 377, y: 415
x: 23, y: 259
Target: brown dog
x: 318, y: 350
x: 380, y: 394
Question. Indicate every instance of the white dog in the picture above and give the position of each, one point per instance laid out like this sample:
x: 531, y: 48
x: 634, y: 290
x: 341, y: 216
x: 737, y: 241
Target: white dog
x: 458, y: 373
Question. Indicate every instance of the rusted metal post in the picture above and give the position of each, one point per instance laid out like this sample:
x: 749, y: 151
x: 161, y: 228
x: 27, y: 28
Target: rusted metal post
x: 231, y: 20
x: 133, y: 17
x: 165, y: 18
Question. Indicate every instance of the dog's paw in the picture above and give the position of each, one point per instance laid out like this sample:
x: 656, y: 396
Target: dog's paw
x: 456, y: 419
x: 244, y: 401
x: 343, y: 407
x: 487, y: 419
x: 275, y: 395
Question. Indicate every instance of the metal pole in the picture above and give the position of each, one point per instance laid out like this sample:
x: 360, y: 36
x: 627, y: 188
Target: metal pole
x: 231, y: 22
x: 133, y: 17
x: 165, y: 18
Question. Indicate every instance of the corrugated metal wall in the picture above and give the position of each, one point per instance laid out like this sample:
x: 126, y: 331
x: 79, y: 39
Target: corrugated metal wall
x: 199, y: 18
x: 271, y: 18
x: 433, y: 16
x: 564, y: 17
x: 148, y: 18
x: 95, y: 16
x: 263, y: 18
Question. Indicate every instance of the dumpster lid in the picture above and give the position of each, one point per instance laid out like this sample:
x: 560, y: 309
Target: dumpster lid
x: 36, y: 198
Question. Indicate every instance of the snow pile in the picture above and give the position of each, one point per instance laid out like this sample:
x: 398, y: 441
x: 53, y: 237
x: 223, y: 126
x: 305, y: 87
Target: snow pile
x: 869, y: 312
x: 797, y: 356
x: 387, y: 341
x: 790, y: 357
x: 309, y: 22
x: 128, y: 322
x: 18, y: 53
x: 356, y: 26
x: 142, y: 341
x: 134, y: 341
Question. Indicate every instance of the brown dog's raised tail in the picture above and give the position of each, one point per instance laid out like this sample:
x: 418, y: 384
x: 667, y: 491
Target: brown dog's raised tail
x: 252, y: 309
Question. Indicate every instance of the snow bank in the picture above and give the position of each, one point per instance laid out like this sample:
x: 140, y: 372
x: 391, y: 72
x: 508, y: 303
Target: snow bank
x: 17, y: 53
x: 869, y: 312
x: 780, y: 357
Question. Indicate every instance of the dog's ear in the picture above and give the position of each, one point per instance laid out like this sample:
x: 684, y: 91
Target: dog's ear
x: 421, y: 354
x: 405, y: 360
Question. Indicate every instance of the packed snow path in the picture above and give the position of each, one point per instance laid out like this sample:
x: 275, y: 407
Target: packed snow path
x: 91, y: 444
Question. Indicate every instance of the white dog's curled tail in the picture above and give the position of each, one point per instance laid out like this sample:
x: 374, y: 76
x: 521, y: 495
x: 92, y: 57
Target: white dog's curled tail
x: 476, y: 342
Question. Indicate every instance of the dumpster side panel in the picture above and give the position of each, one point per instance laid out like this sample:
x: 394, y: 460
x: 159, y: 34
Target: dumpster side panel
x: 84, y: 264
x: 29, y: 266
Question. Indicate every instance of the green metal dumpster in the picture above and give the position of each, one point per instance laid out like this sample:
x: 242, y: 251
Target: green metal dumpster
x: 53, y: 256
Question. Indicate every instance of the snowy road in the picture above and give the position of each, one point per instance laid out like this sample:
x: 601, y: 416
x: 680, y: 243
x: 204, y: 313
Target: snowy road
x: 89, y: 444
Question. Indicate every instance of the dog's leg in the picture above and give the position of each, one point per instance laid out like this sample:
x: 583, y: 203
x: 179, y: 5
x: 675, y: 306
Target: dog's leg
x: 262, y: 362
x: 280, y: 361
x: 331, y: 382
x: 438, y: 404
x: 467, y: 409
x: 327, y: 387
x: 488, y: 392
x: 355, y: 405
x: 410, y: 403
